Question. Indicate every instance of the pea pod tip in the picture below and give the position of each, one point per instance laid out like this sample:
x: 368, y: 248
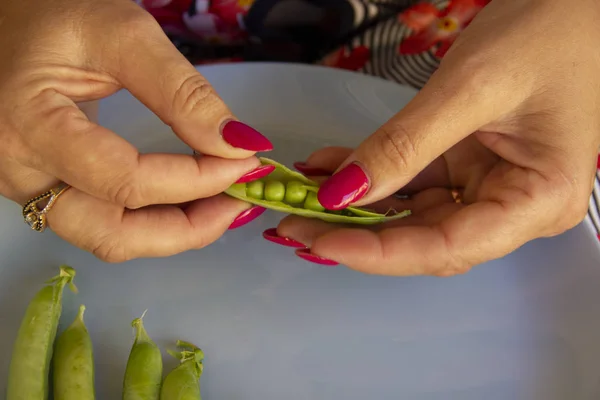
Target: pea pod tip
x: 66, y: 276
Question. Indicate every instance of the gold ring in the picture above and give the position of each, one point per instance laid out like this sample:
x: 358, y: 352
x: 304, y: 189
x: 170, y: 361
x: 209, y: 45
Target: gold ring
x: 35, y: 210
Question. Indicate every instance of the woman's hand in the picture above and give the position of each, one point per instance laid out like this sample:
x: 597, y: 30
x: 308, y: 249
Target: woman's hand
x: 511, y: 119
x: 122, y: 204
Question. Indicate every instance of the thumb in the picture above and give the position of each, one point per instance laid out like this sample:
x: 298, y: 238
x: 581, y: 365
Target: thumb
x: 145, y: 62
x: 448, y: 108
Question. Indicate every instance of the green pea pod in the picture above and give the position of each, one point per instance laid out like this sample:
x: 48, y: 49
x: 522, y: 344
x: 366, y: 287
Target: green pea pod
x: 73, y: 364
x: 28, y: 374
x: 143, y: 374
x: 299, y: 198
x: 182, y: 383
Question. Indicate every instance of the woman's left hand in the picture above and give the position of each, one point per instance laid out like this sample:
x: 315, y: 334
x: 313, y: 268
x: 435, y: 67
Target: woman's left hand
x: 511, y: 119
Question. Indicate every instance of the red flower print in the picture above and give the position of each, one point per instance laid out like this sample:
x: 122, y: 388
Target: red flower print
x: 352, y: 60
x: 153, y: 3
x: 432, y: 27
x: 217, y: 21
x: 212, y: 21
x: 173, y: 6
x: 419, y: 16
x: 230, y: 11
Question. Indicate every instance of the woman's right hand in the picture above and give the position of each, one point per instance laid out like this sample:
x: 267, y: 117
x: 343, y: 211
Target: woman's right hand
x: 122, y: 204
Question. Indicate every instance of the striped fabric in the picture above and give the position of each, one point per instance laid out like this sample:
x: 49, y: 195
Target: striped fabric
x: 383, y: 40
x: 594, y: 207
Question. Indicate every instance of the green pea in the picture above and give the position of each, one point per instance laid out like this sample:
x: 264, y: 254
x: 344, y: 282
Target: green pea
x: 296, y: 198
x: 295, y: 192
x: 312, y: 203
x: 182, y: 383
x: 73, y: 362
x: 255, y: 189
x: 33, y: 348
x: 143, y: 374
x: 274, y: 191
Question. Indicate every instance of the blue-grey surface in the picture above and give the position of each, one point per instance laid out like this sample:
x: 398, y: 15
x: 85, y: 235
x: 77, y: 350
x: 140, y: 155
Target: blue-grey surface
x: 274, y: 327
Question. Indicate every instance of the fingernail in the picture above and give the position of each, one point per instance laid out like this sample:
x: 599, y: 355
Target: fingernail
x: 271, y: 235
x: 343, y: 188
x: 256, y: 173
x: 247, y: 216
x: 309, y: 171
x: 308, y: 256
x: 244, y: 137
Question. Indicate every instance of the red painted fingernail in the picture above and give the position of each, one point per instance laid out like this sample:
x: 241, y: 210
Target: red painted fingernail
x: 271, y: 235
x: 244, y: 137
x: 308, y: 256
x: 256, y: 173
x: 310, y: 171
x: 343, y: 188
x: 247, y: 216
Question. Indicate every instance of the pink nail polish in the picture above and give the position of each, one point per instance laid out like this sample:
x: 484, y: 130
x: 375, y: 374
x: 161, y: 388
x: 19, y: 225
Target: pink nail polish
x: 244, y: 137
x: 256, y: 173
x: 310, y: 171
x: 306, y: 255
x: 247, y: 216
x: 272, y: 236
x: 343, y: 188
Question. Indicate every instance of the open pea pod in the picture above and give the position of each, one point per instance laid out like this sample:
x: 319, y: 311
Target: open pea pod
x: 291, y: 192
